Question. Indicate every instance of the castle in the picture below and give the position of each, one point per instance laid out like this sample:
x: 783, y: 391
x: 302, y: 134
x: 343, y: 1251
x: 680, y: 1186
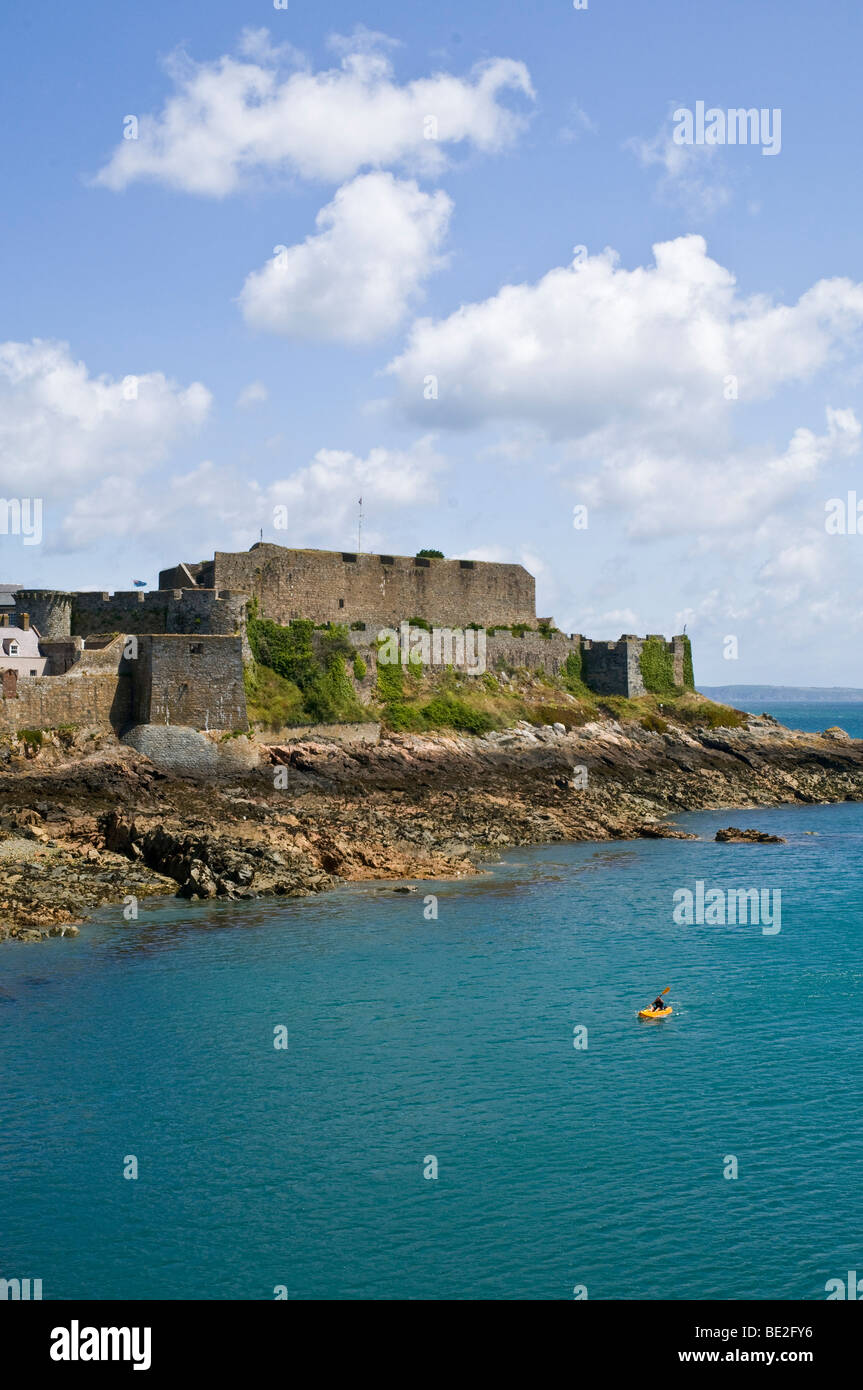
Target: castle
x: 176, y: 655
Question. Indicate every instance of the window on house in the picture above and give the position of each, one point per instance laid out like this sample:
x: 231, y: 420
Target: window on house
x: 196, y: 649
x: 13, y: 648
x: 32, y: 673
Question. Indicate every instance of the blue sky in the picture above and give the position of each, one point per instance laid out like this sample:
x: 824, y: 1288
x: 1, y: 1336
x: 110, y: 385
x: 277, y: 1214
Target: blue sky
x: 298, y: 378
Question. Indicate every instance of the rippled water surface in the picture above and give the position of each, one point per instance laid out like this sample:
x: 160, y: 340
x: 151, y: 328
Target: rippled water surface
x: 816, y: 717
x: 411, y: 1037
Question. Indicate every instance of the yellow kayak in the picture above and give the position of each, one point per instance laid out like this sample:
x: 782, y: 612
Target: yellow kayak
x: 654, y: 1013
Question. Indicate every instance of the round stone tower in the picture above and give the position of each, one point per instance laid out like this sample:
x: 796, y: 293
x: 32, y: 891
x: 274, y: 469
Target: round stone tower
x: 49, y: 611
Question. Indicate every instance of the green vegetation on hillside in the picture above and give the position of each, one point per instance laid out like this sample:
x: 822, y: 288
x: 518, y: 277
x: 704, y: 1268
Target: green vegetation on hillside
x: 700, y: 712
x: 403, y: 692
x: 301, y: 675
x: 311, y: 682
x: 272, y: 700
x: 414, y: 701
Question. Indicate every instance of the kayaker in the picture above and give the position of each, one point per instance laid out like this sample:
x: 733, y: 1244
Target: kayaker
x: 657, y: 1003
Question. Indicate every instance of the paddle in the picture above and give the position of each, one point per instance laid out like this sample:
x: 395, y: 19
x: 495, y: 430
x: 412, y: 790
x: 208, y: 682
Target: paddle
x: 664, y: 991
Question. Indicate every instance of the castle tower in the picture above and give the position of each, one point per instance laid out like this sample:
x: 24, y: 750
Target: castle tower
x: 50, y: 611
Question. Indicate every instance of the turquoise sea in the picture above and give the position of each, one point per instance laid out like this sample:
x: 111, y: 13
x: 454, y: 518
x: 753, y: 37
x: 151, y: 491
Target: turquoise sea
x: 411, y: 1038
x: 817, y: 717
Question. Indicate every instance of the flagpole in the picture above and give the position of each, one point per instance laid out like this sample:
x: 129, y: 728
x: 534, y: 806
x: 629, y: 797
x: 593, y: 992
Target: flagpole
x: 360, y: 529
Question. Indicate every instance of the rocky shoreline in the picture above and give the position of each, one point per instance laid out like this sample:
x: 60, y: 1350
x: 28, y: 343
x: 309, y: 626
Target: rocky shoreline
x: 97, y: 823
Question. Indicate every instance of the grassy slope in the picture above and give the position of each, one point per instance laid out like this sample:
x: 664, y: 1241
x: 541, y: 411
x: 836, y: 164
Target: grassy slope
x: 412, y: 701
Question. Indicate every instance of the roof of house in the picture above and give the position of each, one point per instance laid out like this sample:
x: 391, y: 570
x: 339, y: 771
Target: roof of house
x: 28, y: 642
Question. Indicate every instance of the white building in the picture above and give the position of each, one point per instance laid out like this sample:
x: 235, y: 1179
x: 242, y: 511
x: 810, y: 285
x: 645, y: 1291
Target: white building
x: 19, y: 651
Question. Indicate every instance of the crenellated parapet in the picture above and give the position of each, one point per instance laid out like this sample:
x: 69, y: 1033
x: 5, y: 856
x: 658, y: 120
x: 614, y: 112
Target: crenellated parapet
x: 57, y: 614
x: 208, y: 611
x: 635, y: 665
x: 48, y: 610
x: 340, y: 586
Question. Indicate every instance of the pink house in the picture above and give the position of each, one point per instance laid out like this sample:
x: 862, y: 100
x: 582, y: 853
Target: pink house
x: 19, y: 651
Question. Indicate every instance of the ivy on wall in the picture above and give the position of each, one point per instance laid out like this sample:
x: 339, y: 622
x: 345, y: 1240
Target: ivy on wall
x: 316, y: 663
x: 571, y: 670
x: 657, y: 667
x: 688, y: 672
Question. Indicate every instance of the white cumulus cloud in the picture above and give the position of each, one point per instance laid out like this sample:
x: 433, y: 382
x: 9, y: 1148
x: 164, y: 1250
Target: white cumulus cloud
x: 230, y: 117
x: 593, y: 350
x: 322, y: 499
x: 60, y: 426
x: 354, y: 280
x: 214, y: 505
x: 666, y: 493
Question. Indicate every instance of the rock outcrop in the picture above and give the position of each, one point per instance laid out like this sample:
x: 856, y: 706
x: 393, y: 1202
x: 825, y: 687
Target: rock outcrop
x: 734, y: 836
x: 80, y: 828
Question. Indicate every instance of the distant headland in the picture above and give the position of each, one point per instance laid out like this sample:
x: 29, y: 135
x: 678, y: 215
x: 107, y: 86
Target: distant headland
x: 742, y: 696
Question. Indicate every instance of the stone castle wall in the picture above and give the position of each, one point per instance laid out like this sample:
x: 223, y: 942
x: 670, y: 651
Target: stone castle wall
x: 504, y: 651
x: 84, y: 701
x: 613, y: 668
x: 378, y: 590
x: 61, y: 653
x: 62, y: 615
x: 608, y: 668
x: 49, y: 611
x: 533, y: 651
x: 175, y: 679
x: 192, y: 639
x: 160, y: 610
x: 196, y: 682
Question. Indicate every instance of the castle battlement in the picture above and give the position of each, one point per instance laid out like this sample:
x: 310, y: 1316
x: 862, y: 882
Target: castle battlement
x: 341, y: 586
x: 82, y: 613
x: 192, y: 633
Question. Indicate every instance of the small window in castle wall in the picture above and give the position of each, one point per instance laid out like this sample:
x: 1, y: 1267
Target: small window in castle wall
x: 387, y: 560
x: 196, y: 649
x: 466, y: 564
x: 421, y: 563
x: 349, y: 559
x: 341, y: 603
